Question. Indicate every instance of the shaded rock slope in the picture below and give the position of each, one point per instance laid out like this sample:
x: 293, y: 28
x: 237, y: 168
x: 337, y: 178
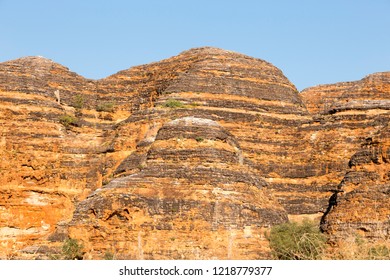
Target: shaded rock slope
x: 363, y: 194
x: 192, y: 157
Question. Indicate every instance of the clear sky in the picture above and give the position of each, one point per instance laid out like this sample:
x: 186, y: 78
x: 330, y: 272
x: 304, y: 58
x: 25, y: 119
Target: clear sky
x: 312, y: 42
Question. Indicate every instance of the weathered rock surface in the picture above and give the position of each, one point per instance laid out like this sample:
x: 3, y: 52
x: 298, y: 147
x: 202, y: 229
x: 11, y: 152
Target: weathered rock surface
x: 193, y: 198
x: 361, y: 204
x: 46, y: 165
x: 372, y: 92
x: 345, y: 115
x: 190, y: 157
x: 356, y: 116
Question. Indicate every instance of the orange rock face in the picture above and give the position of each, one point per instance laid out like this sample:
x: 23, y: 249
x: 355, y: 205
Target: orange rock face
x: 357, y: 118
x: 193, y: 157
x: 361, y: 204
x: 192, y: 198
x: 370, y: 93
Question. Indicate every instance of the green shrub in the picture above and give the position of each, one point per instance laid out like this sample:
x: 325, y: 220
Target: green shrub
x: 72, y: 250
x: 68, y: 120
x: 199, y: 139
x: 106, y: 107
x: 109, y: 255
x: 356, y: 247
x: 78, y: 101
x: 194, y: 104
x: 379, y: 252
x: 293, y: 241
x: 142, y: 166
x: 172, y: 103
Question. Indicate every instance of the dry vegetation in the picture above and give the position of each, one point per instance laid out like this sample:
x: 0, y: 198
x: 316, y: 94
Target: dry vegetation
x: 358, y: 248
x: 304, y: 241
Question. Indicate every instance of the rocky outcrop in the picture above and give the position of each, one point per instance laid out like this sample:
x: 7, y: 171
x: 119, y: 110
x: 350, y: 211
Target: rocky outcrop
x: 370, y: 93
x: 344, y: 116
x: 356, y: 115
x: 249, y: 97
x: 192, y: 198
x: 51, y: 155
x: 191, y: 157
x: 361, y: 204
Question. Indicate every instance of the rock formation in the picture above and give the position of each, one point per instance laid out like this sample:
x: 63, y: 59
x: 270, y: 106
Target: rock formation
x: 199, y: 153
x: 193, y: 197
x: 357, y: 117
x: 370, y: 93
x: 361, y: 204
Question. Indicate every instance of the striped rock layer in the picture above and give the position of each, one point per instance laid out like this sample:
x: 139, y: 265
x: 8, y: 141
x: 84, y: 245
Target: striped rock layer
x: 361, y: 204
x: 190, y: 157
x: 193, y: 197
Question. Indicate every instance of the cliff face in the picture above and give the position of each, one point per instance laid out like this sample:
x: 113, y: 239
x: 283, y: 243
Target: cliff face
x: 46, y: 164
x: 192, y: 157
x: 193, y: 197
x: 370, y: 93
x: 356, y: 116
x: 361, y: 204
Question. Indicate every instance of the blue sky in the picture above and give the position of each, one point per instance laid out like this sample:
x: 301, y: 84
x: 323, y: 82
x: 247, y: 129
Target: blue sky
x: 312, y: 42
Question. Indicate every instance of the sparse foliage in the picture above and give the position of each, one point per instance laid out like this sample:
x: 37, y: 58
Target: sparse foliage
x: 379, y: 252
x: 194, y: 104
x: 293, y: 241
x: 360, y: 248
x: 78, y: 101
x: 72, y: 250
x: 106, y: 107
x: 68, y: 120
x: 173, y: 103
x: 109, y: 255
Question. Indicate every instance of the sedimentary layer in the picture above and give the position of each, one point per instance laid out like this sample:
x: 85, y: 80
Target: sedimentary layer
x: 194, y: 156
x: 361, y: 203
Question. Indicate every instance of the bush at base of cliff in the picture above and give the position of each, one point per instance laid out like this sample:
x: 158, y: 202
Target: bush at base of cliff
x: 72, y: 250
x: 109, y: 255
x: 293, y: 241
x: 360, y: 248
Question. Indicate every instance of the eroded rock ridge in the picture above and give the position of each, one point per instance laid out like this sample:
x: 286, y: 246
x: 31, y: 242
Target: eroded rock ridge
x: 192, y: 157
